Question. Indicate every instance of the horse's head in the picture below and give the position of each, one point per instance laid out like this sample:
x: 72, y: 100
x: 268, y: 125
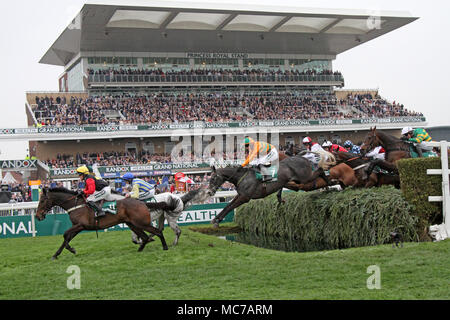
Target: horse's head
x: 54, y: 197
x: 215, y: 181
x: 371, y: 141
x: 45, y: 204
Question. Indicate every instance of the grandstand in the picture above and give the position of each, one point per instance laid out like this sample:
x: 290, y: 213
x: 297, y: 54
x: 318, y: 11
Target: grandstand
x: 137, y: 78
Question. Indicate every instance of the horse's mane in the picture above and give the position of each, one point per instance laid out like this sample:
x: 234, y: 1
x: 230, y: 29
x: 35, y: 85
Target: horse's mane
x: 392, y: 140
x: 230, y: 166
x: 62, y: 189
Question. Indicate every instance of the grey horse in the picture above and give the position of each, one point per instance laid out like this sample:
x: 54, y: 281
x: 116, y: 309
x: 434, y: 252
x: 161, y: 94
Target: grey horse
x: 291, y: 172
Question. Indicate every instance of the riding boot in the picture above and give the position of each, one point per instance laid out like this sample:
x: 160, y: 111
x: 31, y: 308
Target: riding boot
x: 265, y: 172
x: 97, y: 208
x: 419, y: 151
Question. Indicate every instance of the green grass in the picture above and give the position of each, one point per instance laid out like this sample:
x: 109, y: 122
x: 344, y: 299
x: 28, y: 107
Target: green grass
x: 206, y: 267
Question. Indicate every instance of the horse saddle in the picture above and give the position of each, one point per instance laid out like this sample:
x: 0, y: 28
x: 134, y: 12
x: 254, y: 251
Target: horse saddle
x: 425, y: 154
x: 271, y: 173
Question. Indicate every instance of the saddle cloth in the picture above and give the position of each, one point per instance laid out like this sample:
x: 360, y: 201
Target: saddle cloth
x: 111, y: 206
x: 273, y: 170
x: 425, y: 154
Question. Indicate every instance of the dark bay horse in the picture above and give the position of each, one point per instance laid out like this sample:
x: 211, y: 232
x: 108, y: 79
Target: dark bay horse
x: 396, y: 149
x: 292, y: 171
x: 130, y: 211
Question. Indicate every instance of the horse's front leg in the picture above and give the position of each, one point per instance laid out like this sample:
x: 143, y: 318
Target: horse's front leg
x: 68, y: 236
x: 279, y: 197
x: 236, y: 202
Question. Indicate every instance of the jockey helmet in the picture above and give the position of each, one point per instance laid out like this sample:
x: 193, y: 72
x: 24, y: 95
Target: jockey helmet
x: 307, y: 140
x: 327, y: 144
x: 248, y: 140
x: 406, y: 130
x: 128, y: 176
x: 348, y: 144
x: 82, y: 170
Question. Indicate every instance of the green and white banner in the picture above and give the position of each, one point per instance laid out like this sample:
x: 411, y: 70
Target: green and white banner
x: 206, y: 125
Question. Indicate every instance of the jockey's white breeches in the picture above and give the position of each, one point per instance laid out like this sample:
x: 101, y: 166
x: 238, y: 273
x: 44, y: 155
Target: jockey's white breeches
x: 271, y: 157
x: 104, y: 194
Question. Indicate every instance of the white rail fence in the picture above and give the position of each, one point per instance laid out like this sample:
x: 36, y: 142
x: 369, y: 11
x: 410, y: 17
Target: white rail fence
x: 442, y: 231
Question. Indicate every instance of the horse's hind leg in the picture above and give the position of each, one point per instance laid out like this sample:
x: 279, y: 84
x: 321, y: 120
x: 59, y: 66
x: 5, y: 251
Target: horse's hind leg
x: 140, y: 234
x: 176, y: 229
x: 158, y: 233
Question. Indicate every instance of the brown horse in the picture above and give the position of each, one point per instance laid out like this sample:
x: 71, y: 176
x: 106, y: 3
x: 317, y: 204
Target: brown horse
x: 396, y: 149
x: 132, y: 212
x: 359, y: 164
x: 342, y: 173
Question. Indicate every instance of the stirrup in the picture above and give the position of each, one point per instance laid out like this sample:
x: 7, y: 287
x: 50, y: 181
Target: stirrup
x: 99, y: 214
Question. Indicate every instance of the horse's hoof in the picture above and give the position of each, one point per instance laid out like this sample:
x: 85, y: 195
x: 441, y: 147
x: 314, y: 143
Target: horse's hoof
x: 54, y: 257
x: 165, y: 248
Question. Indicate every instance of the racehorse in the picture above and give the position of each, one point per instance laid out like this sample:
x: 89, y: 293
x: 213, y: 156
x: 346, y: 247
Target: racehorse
x: 359, y: 163
x: 292, y: 171
x: 340, y: 172
x: 130, y: 211
x: 396, y: 149
x: 172, y: 215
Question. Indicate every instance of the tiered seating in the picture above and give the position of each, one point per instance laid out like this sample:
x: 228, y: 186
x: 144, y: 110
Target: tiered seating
x: 213, y: 107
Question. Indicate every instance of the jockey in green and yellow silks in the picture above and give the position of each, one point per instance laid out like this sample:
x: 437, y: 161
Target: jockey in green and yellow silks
x: 419, y: 137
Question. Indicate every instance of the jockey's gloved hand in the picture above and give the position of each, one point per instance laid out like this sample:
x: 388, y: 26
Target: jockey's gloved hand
x: 80, y: 193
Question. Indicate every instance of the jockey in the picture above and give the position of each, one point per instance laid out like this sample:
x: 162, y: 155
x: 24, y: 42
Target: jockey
x: 419, y: 137
x: 142, y: 190
x: 261, y: 155
x: 353, y: 148
x: 95, y: 190
x: 377, y: 153
x: 332, y: 147
x: 312, y: 147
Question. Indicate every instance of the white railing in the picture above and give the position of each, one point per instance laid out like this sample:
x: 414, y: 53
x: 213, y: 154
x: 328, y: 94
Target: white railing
x: 442, y: 231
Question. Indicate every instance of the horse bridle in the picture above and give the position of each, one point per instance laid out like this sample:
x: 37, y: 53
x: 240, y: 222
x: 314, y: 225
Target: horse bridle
x: 225, y: 179
x: 64, y: 201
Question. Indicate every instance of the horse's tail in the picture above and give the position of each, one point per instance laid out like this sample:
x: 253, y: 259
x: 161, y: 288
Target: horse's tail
x: 327, y: 160
x: 199, y: 195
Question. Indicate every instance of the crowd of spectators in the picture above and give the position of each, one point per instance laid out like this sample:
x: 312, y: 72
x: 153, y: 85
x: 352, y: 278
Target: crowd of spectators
x: 213, y: 107
x: 377, y: 107
x: 114, y: 158
x: 246, y: 72
x: 20, y: 192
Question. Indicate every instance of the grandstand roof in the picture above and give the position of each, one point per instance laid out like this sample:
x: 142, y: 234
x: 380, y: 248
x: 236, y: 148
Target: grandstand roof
x: 167, y: 26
